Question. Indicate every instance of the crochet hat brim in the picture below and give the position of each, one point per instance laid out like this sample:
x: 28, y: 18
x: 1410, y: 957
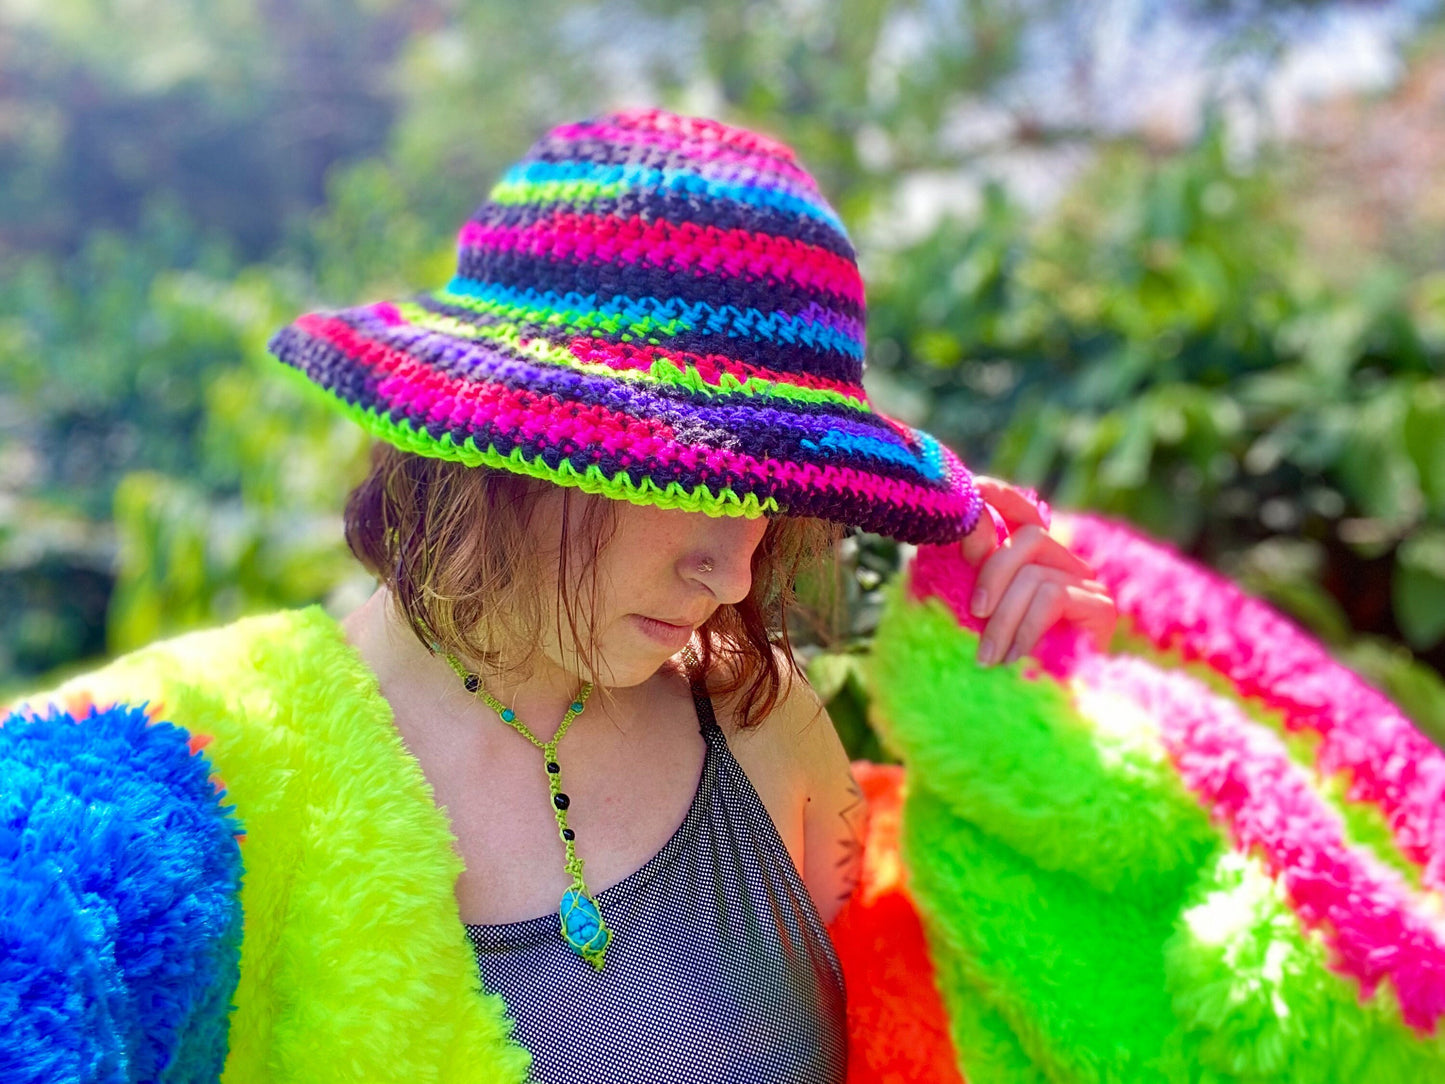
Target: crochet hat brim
x: 455, y: 376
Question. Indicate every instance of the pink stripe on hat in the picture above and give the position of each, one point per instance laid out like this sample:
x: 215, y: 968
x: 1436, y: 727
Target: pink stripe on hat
x: 705, y: 249
x: 695, y: 138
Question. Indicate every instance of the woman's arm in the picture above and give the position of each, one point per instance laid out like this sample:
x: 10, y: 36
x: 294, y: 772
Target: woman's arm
x: 834, y: 809
x: 1030, y: 582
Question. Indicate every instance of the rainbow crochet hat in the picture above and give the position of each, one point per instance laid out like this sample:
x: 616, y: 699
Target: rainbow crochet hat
x: 659, y: 309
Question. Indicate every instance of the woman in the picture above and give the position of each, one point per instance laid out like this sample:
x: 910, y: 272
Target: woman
x: 608, y: 448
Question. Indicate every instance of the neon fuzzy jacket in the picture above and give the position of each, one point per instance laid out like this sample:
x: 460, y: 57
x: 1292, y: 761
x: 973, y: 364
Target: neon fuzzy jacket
x: 1212, y: 854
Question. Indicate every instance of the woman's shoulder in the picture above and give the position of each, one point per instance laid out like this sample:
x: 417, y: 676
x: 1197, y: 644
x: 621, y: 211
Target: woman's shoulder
x: 801, y: 772
x: 795, y: 709
x: 777, y: 750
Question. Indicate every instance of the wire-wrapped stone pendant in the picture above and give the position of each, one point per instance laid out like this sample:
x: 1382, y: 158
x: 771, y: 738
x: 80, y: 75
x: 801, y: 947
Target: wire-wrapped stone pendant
x: 579, y: 915
x: 583, y: 928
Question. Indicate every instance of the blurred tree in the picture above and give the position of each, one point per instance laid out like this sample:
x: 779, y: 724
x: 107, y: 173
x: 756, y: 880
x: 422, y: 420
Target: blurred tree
x: 1155, y: 349
x: 177, y: 178
x: 230, y: 112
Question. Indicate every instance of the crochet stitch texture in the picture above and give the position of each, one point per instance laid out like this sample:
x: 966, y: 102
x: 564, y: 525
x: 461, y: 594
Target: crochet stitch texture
x: 655, y: 308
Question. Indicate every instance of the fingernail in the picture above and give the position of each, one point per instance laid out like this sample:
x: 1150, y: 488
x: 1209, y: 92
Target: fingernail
x: 1012, y: 656
x: 986, y: 652
x: 978, y: 604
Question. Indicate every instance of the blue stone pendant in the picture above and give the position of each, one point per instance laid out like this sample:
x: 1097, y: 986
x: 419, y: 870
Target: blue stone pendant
x: 583, y: 928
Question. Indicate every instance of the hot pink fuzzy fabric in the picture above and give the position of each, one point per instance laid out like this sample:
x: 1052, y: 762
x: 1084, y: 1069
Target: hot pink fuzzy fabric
x: 1184, y: 607
x: 1377, y: 927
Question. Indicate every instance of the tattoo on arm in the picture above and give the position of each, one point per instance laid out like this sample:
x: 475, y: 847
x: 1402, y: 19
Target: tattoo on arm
x: 850, y: 847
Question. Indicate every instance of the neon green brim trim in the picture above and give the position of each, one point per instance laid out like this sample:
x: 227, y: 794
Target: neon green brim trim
x: 403, y: 435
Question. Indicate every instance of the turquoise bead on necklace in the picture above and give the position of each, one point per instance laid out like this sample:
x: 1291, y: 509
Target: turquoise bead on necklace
x: 580, y: 917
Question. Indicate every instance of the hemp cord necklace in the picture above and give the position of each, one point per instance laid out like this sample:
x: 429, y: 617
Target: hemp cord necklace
x: 580, y: 917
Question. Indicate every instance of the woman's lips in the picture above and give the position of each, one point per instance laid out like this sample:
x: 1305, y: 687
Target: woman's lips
x: 664, y: 632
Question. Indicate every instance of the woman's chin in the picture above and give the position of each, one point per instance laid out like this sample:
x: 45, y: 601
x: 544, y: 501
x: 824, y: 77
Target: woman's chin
x: 630, y: 670
x: 634, y: 663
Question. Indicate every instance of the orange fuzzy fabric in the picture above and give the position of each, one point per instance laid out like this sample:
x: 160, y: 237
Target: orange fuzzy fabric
x: 897, y: 1026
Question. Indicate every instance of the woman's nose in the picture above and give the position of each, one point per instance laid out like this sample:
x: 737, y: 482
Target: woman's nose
x: 723, y: 559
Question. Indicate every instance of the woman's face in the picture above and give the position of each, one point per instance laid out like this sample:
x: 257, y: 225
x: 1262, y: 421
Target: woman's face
x: 654, y: 586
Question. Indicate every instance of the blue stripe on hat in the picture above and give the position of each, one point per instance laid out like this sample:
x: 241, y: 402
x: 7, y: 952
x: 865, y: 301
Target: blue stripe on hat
x: 642, y: 315
x: 676, y: 180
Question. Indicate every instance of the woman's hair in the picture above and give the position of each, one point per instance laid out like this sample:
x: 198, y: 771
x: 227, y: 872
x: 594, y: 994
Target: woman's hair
x: 452, y: 544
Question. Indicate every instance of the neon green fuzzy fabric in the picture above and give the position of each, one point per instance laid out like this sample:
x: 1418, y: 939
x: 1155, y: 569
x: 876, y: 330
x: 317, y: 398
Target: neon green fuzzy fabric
x: 1086, y: 920
x: 355, y: 965
x: 1018, y: 829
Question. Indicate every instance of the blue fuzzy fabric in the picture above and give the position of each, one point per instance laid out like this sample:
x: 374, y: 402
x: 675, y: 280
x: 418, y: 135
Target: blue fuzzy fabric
x: 120, y: 914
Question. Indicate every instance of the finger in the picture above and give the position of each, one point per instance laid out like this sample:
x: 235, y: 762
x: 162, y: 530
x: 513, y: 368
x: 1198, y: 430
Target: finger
x: 1011, y: 502
x: 1082, y: 608
x: 1088, y: 610
x: 1099, y: 614
x: 1046, y: 598
x: 1030, y: 545
x: 1035, y: 594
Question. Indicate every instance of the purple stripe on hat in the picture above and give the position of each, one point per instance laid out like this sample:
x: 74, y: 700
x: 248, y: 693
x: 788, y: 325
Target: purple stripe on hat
x: 742, y: 424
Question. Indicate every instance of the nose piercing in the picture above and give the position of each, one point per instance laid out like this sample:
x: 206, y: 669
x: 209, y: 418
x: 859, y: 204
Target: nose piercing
x: 705, y: 566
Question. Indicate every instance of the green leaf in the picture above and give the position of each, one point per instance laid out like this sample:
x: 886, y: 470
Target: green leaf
x: 1027, y: 449
x: 1418, y: 587
x: 938, y: 348
x: 1425, y: 440
x: 1126, y: 466
x: 1375, y: 469
x: 828, y: 671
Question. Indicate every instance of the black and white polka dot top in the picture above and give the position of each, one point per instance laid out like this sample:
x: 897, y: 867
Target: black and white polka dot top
x: 720, y: 968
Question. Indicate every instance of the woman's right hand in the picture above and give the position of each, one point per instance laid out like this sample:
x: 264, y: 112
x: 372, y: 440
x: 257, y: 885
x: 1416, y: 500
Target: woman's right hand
x: 1028, y: 580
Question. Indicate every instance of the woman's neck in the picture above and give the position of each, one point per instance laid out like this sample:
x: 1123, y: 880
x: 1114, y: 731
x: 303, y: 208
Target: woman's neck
x: 539, y: 697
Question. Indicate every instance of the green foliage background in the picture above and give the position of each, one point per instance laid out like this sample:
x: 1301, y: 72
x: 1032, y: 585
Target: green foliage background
x: 1164, y: 343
